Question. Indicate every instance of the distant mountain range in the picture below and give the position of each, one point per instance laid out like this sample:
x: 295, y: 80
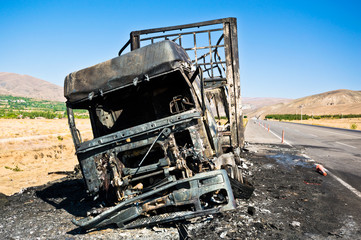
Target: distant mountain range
x: 27, y: 86
x: 251, y: 104
x: 340, y: 101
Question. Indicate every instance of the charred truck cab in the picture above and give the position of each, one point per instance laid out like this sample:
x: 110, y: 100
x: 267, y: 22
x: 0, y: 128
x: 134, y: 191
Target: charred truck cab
x: 158, y: 154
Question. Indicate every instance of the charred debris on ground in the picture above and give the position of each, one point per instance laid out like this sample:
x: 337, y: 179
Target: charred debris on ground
x: 298, y: 203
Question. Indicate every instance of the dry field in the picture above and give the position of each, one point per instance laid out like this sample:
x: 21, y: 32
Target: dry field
x: 30, y: 149
x: 338, y: 123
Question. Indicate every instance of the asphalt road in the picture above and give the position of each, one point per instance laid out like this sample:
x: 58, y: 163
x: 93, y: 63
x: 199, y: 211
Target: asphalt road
x: 338, y: 150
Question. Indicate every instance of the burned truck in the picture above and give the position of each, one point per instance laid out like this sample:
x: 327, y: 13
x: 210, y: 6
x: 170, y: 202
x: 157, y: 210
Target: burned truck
x: 158, y: 153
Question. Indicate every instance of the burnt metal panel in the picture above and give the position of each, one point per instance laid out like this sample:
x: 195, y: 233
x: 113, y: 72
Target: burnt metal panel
x: 201, y: 183
x: 138, y: 130
x: 125, y: 70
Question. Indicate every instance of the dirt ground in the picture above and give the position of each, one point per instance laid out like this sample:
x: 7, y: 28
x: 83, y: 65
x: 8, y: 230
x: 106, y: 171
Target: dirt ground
x: 338, y: 123
x: 36, y: 151
x: 291, y: 201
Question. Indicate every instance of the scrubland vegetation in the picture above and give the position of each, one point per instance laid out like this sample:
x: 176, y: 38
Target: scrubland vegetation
x: 291, y: 117
x: 22, y: 107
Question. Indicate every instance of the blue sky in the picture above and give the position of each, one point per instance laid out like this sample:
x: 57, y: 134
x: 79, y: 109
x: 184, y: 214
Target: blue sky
x: 287, y: 49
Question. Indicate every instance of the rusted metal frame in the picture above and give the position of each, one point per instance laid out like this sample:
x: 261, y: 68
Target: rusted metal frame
x: 134, y: 41
x: 216, y: 54
x: 211, y: 60
x: 221, y: 62
x: 184, y: 26
x: 213, y: 46
x: 149, y: 168
x: 204, y: 55
x: 176, y: 216
x: 146, y: 175
x: 209, y: 63
x: 175, y: 39
x: 214, y: 83
x: 124, y: 47
x: 195, y: 47
x: 192, y: 89
x: 135, y: 144
x: 237, y: 84
x: 205, y: 68
x: 233, y: 84
x: 165, y: 132
x: 216, y: 105
x: 135, y: 35
x: 229, y: 76
x: 224, y: 80
x: 210, y: 52
x: 180, y: 34
x: 89, y: 172
x: 72, y: 126
x: 196, y: 90
x: 183, y: 231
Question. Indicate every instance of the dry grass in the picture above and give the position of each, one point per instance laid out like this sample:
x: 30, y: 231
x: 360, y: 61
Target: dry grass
x: 31, y: 148
x: 338, y: 123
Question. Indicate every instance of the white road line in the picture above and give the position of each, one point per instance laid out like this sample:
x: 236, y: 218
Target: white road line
x: 346, y: 144
x: 345, y: 184
x: 289, y: 144
x: 278, y: 136
x: 321, y: 130
x: 348, y: 186
x: 312, y: 135
x: 337, y: 133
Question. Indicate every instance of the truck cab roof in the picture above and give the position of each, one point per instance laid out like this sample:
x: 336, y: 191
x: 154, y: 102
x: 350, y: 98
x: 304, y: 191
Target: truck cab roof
x: 138, y: 65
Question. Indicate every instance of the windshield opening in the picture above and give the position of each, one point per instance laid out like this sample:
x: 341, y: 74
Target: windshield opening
x: 144, y: 102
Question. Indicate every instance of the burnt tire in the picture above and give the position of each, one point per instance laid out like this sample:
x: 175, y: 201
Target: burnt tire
x: 240, y: 190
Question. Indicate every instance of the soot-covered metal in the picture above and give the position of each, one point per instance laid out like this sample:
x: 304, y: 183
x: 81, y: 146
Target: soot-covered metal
x: 158, y: 154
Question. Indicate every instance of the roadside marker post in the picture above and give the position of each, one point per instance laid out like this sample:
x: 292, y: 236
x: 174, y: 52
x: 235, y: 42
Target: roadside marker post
x: 268, y: 127
x: 321, y: 169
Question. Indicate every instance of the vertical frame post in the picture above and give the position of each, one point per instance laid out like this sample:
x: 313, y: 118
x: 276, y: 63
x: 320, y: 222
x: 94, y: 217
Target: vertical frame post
x: 233, y: 83
x: 134, y: 41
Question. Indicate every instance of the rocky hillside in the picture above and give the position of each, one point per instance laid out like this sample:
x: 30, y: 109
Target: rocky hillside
x: 28, y: 86
x: 340, y: 101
